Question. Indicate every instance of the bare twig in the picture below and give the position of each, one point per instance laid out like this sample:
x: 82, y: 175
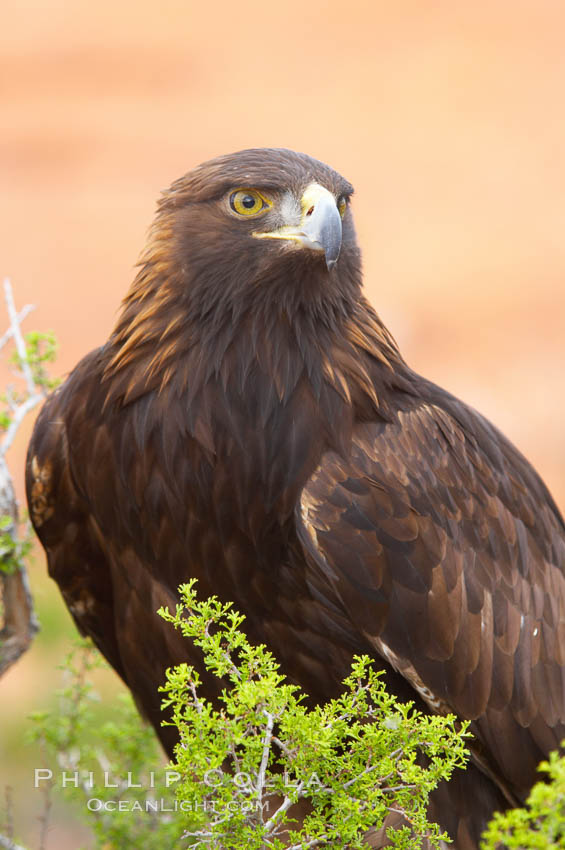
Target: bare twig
x: 44, y: 816
x: 34, y: 394
x: 6, y: 337
x: 197, y: 702
x: 265, y: 757
x: 315, y: 842
x: 18, y: 338
x: 275, y: 819
x: 395, y: 788
x: 20, y: 413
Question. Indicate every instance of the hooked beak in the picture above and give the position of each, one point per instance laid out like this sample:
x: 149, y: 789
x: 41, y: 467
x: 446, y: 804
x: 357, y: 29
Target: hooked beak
x: 319, y: 228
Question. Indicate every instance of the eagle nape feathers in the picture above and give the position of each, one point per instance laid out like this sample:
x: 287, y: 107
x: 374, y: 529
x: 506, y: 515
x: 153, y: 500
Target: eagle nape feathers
x: 251, y: 423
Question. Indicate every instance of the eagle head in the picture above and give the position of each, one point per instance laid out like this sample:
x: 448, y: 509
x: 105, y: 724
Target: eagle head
x: 257, y: 224
x: 251, y: 257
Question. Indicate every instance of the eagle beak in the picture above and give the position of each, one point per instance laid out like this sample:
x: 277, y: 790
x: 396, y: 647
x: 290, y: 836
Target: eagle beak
x: 321, y: 222
x: 319, y: 228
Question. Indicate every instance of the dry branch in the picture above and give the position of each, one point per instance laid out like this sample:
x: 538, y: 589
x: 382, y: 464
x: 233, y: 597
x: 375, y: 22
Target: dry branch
x: 19, y: 620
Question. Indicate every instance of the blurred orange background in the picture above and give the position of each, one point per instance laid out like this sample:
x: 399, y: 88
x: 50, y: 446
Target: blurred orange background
x: 447, y: 116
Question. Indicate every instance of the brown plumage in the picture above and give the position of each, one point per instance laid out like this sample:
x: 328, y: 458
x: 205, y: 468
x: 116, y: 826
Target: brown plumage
x: 252, y: 423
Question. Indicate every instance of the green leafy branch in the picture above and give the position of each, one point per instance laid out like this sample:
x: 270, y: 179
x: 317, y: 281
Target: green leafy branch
x: 540, y: 824
x: 248, y: 761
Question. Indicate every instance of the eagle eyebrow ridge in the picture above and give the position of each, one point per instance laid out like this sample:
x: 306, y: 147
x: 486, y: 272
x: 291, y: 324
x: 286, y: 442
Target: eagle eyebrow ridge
x: 219, y: 190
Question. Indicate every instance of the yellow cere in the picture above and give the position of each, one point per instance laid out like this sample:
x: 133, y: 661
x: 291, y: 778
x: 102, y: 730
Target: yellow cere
x: 248, y: 202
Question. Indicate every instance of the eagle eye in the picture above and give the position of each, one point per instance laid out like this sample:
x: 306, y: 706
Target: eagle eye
x: 248, y: 202
x: 342, y: 205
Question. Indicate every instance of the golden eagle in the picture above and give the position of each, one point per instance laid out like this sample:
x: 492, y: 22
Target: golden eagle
x: 251, y: 422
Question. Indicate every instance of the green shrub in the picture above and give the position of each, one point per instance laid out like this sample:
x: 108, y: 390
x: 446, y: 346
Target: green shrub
x: 540, y: 824
x: 353, y: 760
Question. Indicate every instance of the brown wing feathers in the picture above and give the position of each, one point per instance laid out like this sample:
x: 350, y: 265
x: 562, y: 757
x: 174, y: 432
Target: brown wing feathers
x: 469, y: 588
